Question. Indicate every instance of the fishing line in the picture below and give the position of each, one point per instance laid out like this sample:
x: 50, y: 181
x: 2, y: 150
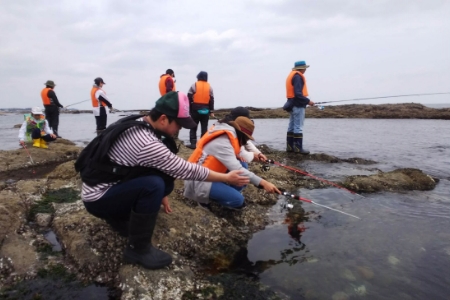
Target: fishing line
x: 76, y: 103
x: 297, y: 197
x: 271, y: 161
x: 383, y: 97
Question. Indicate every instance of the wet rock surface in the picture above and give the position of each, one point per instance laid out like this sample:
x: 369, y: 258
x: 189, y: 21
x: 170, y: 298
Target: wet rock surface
x: 397, y: 180
x: 363, y: 111
x: 204, y: 244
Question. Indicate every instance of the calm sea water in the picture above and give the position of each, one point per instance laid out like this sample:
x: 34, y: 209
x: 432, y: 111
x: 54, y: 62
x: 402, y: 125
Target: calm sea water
x: 400, y: 249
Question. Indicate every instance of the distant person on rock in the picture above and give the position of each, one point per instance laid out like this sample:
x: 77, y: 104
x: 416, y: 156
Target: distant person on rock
x: 167, y: 82
x: 36, y: 128
x: 99, y: 101
x: 218, y: 150
x: 128, y: 189
x: 51, y: 105
x: 296, y: 92
x: 201, y: 99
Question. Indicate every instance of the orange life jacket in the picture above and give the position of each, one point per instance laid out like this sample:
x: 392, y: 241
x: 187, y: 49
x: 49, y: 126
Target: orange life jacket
x: 290, y: 87
x: 95, y: 101
x: 202, y: 92
x: 210, y: 161
x: 45, y: 99
x: 162, y: 84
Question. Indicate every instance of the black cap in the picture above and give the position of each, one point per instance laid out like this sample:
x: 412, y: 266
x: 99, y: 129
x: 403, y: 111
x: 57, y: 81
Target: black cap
x: 239, y: 112
x: 99, y: 80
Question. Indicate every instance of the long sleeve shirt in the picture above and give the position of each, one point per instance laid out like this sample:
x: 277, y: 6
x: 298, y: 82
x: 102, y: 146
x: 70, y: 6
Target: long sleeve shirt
x: 210, y: 105
x: 138, y: 146
x: 52, y: 95
x: 23, y: 130
x: 300, y: 100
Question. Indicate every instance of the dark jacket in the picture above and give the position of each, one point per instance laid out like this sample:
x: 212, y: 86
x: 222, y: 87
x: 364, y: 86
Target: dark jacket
x: 299, y: 100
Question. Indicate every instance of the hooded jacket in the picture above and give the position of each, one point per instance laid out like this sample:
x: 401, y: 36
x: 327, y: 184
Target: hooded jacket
x: 199, y: 93
x: 222, y: 149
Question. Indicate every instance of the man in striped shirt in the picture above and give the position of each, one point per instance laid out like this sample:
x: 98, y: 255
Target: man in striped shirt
x: 139, y: 200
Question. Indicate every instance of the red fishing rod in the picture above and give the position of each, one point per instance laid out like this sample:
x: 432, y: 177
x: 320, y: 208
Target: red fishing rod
x: 271, y: 161
x: 297, y: 197
x: 29, y: 155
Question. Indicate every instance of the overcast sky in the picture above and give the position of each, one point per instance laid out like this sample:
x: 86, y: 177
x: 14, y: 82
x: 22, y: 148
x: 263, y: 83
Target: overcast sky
x: 355, y: 48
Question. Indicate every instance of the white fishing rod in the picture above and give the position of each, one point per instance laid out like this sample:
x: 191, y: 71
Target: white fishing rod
x: 383, y: 97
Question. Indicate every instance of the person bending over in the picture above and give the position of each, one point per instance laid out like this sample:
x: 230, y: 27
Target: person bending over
x: 218, y: 150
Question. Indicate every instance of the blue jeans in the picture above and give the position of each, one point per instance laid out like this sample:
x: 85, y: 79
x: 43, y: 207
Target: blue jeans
x: 143, y: 195
x: 296, y: 120
x: 227, y: 195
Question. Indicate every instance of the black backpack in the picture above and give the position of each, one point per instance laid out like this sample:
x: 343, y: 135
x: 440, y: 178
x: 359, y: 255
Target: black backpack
x: 94, y: 165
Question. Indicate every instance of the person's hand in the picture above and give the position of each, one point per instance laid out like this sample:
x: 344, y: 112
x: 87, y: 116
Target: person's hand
x: 22, y: 143
x: 260, y: 157
x: 53, y: 136
x: 269, y: 187
x: 212, y: 114
x: 235, y: 178
x: 165, y: 203
x: 311, y: 103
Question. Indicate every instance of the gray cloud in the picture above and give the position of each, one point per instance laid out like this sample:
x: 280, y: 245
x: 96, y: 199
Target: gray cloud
x: 355, y: 48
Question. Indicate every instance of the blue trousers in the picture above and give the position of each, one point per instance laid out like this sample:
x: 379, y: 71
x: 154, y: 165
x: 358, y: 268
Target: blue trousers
x: 143, y: 195
x: 227, y: 195
x: 296, y: 120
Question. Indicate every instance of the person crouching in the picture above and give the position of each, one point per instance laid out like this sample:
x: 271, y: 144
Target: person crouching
x: 218, y: 150
x: 35, y: 128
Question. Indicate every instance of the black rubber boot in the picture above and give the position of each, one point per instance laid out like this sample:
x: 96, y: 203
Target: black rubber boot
x: 193, y: 144
x: 290, y: 142
x: 139, y: 249
x: 298, y: 144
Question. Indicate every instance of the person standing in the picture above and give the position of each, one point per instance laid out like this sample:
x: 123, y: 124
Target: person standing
x: 143, y: 150
x: 201, y: 99
x: 167, y: 82
x: 99, y: 101
x: 51, y: 105
x: 296, y: 93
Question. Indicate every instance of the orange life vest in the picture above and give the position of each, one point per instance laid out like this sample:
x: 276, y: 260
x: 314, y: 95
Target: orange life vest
x: 202, y: 92
x: 162, y: 84
x: 45, y: 99
x: 210, y: 161
x: 95, y: 101
x: 290, y: 87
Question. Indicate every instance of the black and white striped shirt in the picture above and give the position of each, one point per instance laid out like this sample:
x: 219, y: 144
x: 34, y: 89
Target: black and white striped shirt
x: 139, y: 146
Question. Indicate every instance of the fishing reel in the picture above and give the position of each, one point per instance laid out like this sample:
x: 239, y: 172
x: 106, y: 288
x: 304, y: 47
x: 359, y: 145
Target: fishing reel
x: 265, y: 168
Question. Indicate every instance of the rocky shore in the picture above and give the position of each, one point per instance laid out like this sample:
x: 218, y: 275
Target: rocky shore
x: 361, y: 111
x: 42, y: 198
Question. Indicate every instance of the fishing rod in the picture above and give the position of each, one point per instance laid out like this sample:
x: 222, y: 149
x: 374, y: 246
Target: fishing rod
x: 297, y: 197
x: 271, y: 161
x: 394, y: 96
x: 29, y: 155
x: 76, y: 103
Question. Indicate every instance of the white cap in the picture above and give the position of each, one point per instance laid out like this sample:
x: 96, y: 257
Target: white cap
x: 36, y: 111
